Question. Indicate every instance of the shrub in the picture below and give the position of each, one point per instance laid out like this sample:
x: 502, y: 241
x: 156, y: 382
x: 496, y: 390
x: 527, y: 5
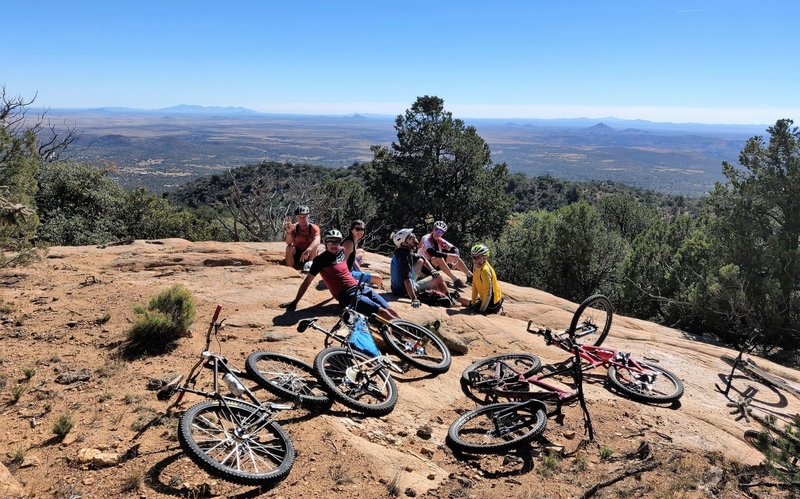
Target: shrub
x: 167, y: 318
x: 63, y: 425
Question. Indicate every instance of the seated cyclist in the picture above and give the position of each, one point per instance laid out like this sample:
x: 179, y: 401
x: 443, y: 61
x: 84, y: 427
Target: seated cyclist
x: 332, y: 266
x: 441, y: 253
x: 302, y: 239
x: 486, y: 295
x: 406, y: 266
x: 350, y: 246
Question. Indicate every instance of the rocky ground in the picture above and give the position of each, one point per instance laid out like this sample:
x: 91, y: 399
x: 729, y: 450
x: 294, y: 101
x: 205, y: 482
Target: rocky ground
x: 64, y: 318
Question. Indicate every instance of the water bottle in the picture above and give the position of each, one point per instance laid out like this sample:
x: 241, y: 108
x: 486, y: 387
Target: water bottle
x: 234, y: 386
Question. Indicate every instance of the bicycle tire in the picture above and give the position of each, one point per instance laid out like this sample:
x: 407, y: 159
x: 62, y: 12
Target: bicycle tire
x: 594, y: 313
x: 339, y: 371
x: 627, y: 382
x: 480, y: 376
x: 233, y: 442
x: 522, y: 423
x: 417, y: 345
x: 288, y: 378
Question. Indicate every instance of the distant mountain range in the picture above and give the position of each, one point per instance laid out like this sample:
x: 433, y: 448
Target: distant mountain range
x: 161, y: 148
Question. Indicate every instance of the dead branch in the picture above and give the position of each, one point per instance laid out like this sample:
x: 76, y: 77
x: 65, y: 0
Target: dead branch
x: 605, y: 483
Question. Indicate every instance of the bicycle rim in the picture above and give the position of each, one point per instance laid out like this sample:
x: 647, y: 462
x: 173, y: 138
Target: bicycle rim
x: 236, y: 442
x: 592, y: 321
x: 417, y: 345
x: 497, y: 428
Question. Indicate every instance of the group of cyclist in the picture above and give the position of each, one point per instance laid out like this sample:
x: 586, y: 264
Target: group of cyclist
x: 415, y: 267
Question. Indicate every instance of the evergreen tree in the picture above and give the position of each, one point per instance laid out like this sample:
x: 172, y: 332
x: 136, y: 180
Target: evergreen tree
x: 439, y: 168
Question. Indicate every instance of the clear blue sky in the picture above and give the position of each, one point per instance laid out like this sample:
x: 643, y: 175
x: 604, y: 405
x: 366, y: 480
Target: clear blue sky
x: 708, y: 61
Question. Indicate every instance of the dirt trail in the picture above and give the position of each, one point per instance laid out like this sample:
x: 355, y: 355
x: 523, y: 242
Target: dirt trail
x: 52, y: 326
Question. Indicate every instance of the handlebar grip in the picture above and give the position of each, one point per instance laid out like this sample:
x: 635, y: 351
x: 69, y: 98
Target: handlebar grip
x: 216, y: 313
x: 529, y: 327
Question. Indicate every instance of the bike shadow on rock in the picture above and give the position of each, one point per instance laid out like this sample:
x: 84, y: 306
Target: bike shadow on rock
x: 292, y: 316
x: 161, y: 485
x: 768, y: 395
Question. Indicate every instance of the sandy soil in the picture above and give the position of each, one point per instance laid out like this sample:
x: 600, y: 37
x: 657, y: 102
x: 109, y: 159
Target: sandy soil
x: 50, y: 326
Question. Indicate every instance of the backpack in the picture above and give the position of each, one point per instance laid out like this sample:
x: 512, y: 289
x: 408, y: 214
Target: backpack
x: 434, y: 298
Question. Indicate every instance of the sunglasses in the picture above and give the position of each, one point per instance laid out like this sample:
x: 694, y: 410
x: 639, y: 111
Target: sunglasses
x: 358, y: 229
x: 478, y: 257
x: 438, y: 231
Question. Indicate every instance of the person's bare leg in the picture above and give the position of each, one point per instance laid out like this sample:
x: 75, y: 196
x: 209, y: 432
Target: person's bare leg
x: 460, y: 265
x: 289, y: 256
x: 441, y: 264
x: 376, y: 280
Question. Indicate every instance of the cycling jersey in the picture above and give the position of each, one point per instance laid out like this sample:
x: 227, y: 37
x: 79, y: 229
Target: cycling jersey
x: 333, y: 269
x: 303, y: 238
x: 485, y: 287
x: 430, y: 247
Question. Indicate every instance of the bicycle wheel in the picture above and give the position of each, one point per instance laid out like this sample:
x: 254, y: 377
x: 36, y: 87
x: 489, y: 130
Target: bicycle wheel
x: 648, y: 384
x: 592, y: 320
x: 236, y: 442
x: 417, y: 345
x: 497, y: 428
x: 483, y: 376
x: 289, y: 378
x: 356, y: 381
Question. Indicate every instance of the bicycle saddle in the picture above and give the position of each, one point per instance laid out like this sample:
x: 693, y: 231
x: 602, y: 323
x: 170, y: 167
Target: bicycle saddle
x: 305, y: 323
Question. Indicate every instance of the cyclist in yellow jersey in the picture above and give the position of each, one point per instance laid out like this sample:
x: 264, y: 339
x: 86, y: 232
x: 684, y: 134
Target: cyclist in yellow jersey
x: 486, y: 295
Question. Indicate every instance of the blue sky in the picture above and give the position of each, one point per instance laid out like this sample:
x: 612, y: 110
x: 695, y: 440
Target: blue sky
x: 704, y: 61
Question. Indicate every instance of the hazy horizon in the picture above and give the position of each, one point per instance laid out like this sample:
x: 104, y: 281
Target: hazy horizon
x: 683, y: 61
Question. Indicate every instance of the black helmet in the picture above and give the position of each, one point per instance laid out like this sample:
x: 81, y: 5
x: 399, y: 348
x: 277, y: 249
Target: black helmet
x: 301, y: 210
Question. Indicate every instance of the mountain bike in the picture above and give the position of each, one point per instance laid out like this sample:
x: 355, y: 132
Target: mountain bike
x: 354, y: 373
x: 517, y: 376
x: 233, y: 437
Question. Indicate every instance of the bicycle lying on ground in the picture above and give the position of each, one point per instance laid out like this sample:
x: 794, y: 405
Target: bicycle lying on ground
x: 516, y: 376
x: 355, y: 372
x: 232, y: 437
x: 499, y: 427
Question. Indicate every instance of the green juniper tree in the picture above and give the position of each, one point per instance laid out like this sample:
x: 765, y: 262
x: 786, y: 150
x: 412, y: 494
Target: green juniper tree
x: 439, y: 168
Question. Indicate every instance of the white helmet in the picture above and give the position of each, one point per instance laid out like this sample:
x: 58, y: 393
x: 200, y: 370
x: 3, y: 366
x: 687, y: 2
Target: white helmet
x: 400, y: 236
x: 439, y: 224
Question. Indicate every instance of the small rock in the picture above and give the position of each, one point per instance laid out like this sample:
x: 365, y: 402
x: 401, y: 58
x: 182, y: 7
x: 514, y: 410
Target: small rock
x: 67, y: 378
x: 89, y: 480
x: 432, y: 476
x: 512, y: 481
x: 72, y: 323
x: 569, y: 435
x: 274, y: 336
x: 69, y: 439
x: 97, y: 458
x: 30, y: 462
x: 426, y: 452
x: 424, y: 432
x: 411, y: 492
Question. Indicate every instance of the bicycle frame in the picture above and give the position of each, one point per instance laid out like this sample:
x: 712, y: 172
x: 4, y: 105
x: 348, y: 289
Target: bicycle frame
x: 591, y: 357
x: 218, y: 364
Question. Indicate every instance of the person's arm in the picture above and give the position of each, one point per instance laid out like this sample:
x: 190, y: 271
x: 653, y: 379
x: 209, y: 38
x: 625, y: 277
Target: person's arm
x: 489, y: 292
x: 289, y: 226
x: 300, y: 291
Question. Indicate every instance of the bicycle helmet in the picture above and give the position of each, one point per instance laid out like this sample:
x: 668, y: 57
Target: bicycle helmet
x: 301, y: 210
x: 480, y: 250
x: 400, y: 236
x: 439, y: 224
x: 332, y: 234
